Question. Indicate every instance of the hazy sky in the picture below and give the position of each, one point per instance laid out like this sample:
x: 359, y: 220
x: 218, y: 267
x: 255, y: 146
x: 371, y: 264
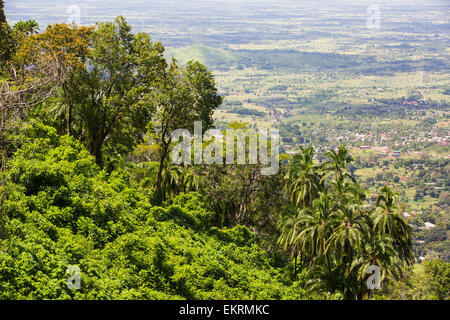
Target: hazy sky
x: 52, y: 11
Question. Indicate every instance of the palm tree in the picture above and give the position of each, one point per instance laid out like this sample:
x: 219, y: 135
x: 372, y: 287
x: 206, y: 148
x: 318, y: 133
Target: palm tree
x: 334, y: 232
x: 28, y: 27
x: 387, y: 220
x: 318, y: 229
x: 171, y: 179
x: 379, y: 251
x: 190, y: 180
x: 289, y: 225
x: 349, y: 237
x: 303, y: 180
x: 338, y: 163
x: 316, y: 225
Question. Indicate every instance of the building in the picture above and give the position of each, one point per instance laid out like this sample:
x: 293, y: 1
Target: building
x: 429, y: 226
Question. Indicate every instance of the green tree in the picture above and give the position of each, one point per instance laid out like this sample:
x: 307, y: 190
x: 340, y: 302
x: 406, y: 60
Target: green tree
x: 338, y: 237
x: 111, y: 95
x: 439, y: 273
x: 183, y: 95
x: 27, y: 28
x: 338, y: 163
x: 2, y: 13
x: 388, y: 220
x: 5, y: 36
x: 303, y: 179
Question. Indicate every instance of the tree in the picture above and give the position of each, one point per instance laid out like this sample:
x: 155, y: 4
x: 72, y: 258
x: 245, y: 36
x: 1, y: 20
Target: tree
x: 27, y: 27
x: 439, y: 273
x: 338, y: 238
x: 183, y: 95
x: 352, y: 228
x: 35, y: 68
x: 5, y: 37
x: 338, y: 163
x: 387, y: 220
x: 303, y: 179
x: 71, y: 46
x: 427, y: 281
x: 379, y: 251
x: 61, y: 209
x: 111, y: 94
x: 2, y: 13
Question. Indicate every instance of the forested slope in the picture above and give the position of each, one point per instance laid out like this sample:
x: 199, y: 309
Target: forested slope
x: 87, y: 183
x: 62, y: 209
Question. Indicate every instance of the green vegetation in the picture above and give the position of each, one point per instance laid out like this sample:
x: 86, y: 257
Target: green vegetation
x: 59, y: 209
x: 86, y: 179
x: 335, y: 236
x: 428, y: 281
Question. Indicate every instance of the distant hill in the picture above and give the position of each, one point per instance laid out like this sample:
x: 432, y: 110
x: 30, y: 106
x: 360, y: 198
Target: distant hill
x: 287, y: 60
x: 209, y: 56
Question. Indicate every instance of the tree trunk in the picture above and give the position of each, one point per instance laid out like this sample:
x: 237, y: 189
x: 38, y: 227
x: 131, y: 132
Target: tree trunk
x: 347, y: 286
x: 242, y: 209
x: 69, y: 121
x: 4, y: 159
x: 96, y: 150
x: 331, y: 273
x: 159, y: 189
x: 295, y: 265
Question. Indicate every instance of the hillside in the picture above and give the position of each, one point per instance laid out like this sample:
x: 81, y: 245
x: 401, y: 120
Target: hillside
x: 64, y: 210
x: 209, y: 56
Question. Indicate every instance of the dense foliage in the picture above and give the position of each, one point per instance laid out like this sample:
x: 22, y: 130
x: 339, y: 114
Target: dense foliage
x: 86, y: 115
x: 336, y: 235
x: 61, y: 209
